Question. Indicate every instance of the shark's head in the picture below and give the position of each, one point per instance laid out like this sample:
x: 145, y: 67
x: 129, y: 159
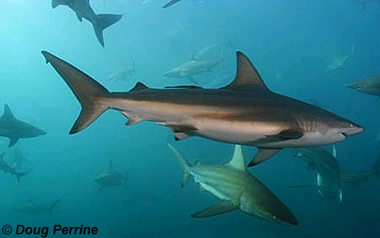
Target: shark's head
x: 324, y: 128
x: 32, y: 131
x: 369, y: 86
x: 268, y: 207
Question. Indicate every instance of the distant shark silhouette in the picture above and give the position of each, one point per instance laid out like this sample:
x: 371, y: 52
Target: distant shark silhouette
x: 34, y: 208
x: 338, y: 60
x: 170, y: 3
x: 4, y: 166
x: 83, y: 9
x: 111, y: 178
x: 369, y: 85
x: 15, y: 129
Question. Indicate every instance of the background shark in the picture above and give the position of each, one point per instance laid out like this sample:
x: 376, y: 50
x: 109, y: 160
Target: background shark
x: 328, y: 173
x: 356, y: 178
x: 369, y: 85
x: 124, y: 73
x: 111, y: 178
x: 36, y: 208
x: 338, y: 60
x: 83, y: 9
x: 15, y: 129
x: 8, y: 169
x: 193, y: 67
x: 243, y: 112
x: 236, y: 187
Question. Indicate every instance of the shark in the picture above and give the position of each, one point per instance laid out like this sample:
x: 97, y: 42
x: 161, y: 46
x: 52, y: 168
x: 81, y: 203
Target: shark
x: 193, y: 67
x: 328, y: 173
x: 244, y: 112
x: 356, y: 178
x: 5, y: 167
x: 365, y: 2
x: 111, y: 178
x: 369, y: 85
x: 171, y: 3
x: 124, y: 73
x: 236, y: 187
x: 16, y: 129
x: 36, y: 208
x: 337, y: 61
x: 83, y: 9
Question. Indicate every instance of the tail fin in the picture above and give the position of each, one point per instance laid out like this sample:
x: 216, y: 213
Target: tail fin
x: 20, y: 175
x: 170, y: 3
x: 183, y: 164
x: 53, y: 205
x: 89, y: 93
x: 55, y: 3
x: 376, y: 167
x: 104, y: 21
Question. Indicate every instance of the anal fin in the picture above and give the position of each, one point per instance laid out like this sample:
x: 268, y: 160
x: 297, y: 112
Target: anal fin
x: 262, y: 155
x: 219, y: 208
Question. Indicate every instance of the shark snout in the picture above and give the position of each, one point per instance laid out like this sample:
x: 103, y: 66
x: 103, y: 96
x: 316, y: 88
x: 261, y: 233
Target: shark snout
x: 352, y: 129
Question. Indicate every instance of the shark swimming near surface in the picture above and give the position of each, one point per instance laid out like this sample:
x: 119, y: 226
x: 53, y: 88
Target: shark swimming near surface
x: 36, y: 208
x: 193, y: 67
x: 16, y: 129
x: 243, y: 112
x: 369, y: 85
x: 111, y: 178
x: 236, y: 187
x: 328, y: 179
x: 83, y: 9
x: 5, y: 167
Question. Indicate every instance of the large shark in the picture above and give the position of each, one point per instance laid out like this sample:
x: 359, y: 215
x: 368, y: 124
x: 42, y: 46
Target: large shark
x: 243, y: 112
x: 35, y: 208
x: 15, y: 129
x: 111, y: 178
x: 193, y: 67
x: 369, y: 85
x: 236, y: 187
x: 328, y: 174
x: 356, y: 178
x: 4, y: 166
x: 83, y: 9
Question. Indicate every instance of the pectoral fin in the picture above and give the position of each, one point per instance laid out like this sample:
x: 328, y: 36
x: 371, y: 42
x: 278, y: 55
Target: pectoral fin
x: 220, y: 208
x: 262, y: 155
x: 13, y: 141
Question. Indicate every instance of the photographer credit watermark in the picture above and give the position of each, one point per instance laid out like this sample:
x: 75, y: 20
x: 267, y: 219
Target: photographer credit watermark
x: 44, y: 231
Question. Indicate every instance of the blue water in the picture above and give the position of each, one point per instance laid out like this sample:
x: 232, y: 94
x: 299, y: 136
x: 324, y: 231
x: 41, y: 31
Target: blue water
x: 290, y: 42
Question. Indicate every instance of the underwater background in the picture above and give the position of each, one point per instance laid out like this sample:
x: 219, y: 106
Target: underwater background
x: 290, y: 42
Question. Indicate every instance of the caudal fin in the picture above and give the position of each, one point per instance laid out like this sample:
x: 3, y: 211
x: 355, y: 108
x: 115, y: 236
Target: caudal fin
x: 53, y: 205
x: 91, y: 95
x: 104, y: 21
x: 183, y: 164
x: 170, y: 3
x: 20, y: 175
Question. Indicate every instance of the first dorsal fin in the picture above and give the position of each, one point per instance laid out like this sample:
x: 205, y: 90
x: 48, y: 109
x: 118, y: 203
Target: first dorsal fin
x: 110, y: 166
x: 246, y: 75
x: 7, y: 112
x: 237, y: 160
x: 138, y: 86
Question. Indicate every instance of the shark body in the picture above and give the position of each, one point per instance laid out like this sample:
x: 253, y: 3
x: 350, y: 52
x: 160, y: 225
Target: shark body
x: 83, y: 9
x: 111, y: 178
x: 15, y: 129
x: 243, y: 112
x: 236, y: 187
